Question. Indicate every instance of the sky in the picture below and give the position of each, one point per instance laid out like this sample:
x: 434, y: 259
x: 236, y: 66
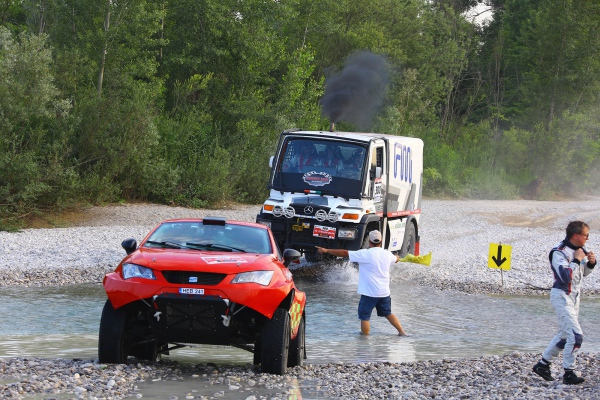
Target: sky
x: 484, y: 11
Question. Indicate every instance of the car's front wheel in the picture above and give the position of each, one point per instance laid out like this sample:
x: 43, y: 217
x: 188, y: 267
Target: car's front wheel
x: 276, y: 343
x: 297, y: 346
x: 112, y: 337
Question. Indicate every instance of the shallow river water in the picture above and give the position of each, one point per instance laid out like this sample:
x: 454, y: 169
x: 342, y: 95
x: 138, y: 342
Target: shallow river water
x: 62, y: 322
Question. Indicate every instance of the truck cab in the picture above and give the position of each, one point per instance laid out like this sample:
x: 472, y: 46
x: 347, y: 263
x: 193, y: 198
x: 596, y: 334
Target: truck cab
x: 331, y: 189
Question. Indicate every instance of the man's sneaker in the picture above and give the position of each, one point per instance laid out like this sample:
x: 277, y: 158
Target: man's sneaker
x: 569, y: 378
x: 543, y: 370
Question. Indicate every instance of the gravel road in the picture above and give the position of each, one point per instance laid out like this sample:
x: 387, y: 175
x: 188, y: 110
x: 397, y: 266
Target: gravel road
x: 457, y: 233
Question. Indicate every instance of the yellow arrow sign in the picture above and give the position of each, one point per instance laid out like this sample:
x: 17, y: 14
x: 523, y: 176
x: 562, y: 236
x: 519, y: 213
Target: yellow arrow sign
x: 499, y: 256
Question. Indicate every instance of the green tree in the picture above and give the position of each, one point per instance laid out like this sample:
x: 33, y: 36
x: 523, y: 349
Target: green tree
x: 34, y: 169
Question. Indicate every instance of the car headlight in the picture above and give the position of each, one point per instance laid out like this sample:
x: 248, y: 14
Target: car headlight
x: 260, y: 277
x: 137, y: 271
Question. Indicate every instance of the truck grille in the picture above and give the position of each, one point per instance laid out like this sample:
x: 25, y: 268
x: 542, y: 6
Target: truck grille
x: 305, y: 237
x: 308, y: 209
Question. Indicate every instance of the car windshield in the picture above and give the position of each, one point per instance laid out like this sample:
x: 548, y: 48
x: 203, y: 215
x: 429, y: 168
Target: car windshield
x: 197, y: 236
x: 320, y: 164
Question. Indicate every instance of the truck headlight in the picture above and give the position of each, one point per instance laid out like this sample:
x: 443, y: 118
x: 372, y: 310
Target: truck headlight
x: 137, y: 271
x: 260, y: 277
x: 347, y: 233
x: 333, y: 216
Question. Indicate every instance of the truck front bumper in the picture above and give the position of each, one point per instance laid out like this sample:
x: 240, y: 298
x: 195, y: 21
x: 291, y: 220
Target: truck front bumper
x: 304, y: 234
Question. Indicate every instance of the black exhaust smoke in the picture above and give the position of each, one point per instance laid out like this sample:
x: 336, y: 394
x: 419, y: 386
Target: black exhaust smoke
x: 356, y: 93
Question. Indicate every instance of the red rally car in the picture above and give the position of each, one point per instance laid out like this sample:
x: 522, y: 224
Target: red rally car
x: 204, y: 281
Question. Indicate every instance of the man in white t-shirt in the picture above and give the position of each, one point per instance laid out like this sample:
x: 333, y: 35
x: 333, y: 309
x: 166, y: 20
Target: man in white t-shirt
x: 373, y: 281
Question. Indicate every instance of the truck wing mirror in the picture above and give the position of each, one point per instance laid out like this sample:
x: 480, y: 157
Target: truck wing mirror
x: 378, y: 172
x: 290, y: 256
x: 271, y: 161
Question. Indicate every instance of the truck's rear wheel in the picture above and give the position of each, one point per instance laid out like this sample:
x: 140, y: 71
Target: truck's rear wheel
x: 410, y: 237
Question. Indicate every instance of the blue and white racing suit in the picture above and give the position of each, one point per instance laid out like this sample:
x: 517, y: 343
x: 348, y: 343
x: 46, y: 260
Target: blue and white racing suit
x: 564, y: 296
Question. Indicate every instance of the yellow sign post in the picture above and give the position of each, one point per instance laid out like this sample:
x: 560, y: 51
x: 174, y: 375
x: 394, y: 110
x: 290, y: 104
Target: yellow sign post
x: 499, y: 257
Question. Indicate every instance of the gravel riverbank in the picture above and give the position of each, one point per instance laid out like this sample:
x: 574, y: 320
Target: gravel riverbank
x: 458, y: 233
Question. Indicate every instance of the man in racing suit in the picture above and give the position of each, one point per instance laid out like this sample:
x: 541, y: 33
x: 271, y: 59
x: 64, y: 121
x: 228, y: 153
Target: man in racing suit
x: 570, y: 262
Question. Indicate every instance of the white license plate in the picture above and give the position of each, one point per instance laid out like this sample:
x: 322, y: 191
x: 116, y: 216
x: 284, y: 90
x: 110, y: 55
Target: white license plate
x: 185, y: 290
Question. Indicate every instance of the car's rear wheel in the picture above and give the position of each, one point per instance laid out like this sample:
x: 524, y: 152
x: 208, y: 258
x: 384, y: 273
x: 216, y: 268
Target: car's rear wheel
x: 112, y: 337
x: 276, y: 343
x: 257, y: 351
x: 149, y: 351
x: 297, y: 346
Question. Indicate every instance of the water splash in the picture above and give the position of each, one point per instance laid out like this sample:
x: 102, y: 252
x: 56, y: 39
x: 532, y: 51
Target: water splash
x: 343, y: 272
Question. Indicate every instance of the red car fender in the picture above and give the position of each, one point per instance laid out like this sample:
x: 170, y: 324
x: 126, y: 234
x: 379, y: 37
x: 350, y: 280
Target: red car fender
x: 296, y: 312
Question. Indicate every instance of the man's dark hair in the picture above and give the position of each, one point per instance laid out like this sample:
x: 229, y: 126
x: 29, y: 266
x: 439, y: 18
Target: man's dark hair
x: 575, y: 227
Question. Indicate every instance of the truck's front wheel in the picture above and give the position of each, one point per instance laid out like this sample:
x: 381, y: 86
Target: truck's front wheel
x: 410, y: 237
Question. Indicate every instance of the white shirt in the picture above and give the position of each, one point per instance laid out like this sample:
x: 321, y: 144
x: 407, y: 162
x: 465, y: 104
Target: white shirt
x: 373, y: 270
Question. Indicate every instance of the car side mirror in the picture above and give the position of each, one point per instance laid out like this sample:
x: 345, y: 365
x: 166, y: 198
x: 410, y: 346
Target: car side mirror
x: 129, y: 245
x: 271, y: 161
x: 290, y: 256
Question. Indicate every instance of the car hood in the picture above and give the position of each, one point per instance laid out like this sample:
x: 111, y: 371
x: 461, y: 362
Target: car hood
x: 209, y: 261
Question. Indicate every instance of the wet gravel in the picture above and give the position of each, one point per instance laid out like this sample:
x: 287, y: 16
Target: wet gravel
x: 458, y: 233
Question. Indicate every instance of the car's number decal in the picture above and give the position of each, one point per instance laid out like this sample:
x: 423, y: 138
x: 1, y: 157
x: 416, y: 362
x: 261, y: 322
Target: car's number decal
x: 185, y: 290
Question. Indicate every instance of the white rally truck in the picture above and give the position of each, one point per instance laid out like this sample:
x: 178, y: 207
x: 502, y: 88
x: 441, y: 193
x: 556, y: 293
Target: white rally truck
x: 330, y: 189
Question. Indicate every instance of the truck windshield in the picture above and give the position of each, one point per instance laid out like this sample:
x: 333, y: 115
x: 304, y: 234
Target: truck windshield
x: 328, y: 166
